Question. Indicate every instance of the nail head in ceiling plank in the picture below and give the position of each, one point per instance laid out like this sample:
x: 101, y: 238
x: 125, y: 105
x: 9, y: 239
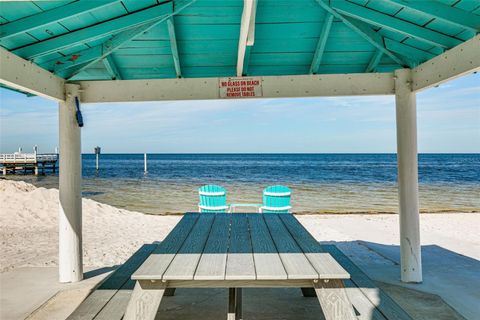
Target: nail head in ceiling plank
x: 458, y: 17
x: 247, y: 19
x: 25, y: 76
x: 364, y: 31
x: 174, y: 48
x: 394, y: 24
x: 57, y: 14
x: 93, y: 32
x: 322, y: 41
x: 458, y: 61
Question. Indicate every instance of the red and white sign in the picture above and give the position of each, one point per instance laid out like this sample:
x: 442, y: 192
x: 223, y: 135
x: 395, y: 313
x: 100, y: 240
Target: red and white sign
x: 245, y: 87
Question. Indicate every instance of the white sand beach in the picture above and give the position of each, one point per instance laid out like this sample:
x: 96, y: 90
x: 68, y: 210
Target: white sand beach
x: 29, y: 230
x: 29, y: 237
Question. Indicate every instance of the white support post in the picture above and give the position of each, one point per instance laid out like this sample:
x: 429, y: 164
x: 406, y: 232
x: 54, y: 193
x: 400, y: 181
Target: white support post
x: 406, y: 114
x: 70, y: 184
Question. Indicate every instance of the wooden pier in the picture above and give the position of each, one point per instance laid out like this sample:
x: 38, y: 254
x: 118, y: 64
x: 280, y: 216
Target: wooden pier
x: 28, y: 163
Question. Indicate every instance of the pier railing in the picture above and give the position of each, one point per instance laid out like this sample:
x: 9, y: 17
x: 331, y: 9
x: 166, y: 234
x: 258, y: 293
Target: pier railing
x: 10, y: 158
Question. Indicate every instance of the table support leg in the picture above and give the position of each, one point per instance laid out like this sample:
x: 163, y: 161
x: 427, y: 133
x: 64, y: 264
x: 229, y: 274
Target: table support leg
x: 334, y: 300
x: 169, y: 292
x: 145, y: 300
x: 308, y: 292
x: 238, y: 304
x: 231, y: 303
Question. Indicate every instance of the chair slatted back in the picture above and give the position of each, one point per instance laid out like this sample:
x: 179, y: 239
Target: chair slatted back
x: 212, y: 199
x: 276, y: 199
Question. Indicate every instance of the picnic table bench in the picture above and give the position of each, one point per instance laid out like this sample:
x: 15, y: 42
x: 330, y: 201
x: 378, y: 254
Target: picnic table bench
x: 239, y: 251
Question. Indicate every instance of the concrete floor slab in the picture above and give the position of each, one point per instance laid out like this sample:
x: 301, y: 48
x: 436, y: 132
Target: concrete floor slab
x: 25, y: 290
x: 452, y: 276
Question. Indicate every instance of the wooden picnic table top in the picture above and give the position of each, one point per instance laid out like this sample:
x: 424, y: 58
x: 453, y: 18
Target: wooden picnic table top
x: 239, y: 246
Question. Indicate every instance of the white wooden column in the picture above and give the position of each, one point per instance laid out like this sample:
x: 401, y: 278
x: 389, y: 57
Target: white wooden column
x: 406, y: 114
x: 70, y: 262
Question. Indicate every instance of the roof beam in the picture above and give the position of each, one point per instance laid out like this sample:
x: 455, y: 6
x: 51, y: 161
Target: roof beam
x: 26, y: 76
x: 93, y: 32
x: 247, y: 33
x: 322, y: 41
x: 438, y: 10
x: 372, y: 65
x: 461, y: 60
x: 111, y: 67
x: 394, y: 24
x: 364, y: 31
x: 207, y: 88
x: 173, y: 46
x: 44, y: 18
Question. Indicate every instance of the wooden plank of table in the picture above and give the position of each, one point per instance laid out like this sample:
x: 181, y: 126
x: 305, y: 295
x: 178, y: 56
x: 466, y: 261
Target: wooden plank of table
x: 268, y: 264
x: 214, y: 257
x: 157, y: 263
x: 326, y: 266
x: 185, y: 263
x: 144, y: 301
x: 334, y: 300
x: 240, y: 264
x: 294, y: 260
x: 366, y: 310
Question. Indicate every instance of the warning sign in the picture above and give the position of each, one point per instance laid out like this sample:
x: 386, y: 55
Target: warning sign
x: 250, y: 87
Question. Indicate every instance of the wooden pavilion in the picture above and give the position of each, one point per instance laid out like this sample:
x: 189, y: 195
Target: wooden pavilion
x: 152, y: 50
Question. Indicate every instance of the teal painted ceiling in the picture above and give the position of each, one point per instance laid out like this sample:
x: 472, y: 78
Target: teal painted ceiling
x: 132, y: 39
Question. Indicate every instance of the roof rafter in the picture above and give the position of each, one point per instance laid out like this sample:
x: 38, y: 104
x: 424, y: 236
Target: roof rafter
x: 111, y: 67
x: 372, y: 65
x: 443, y: 12
x: 120, y: 39
x: 247, y: 34
x: 93, y: 32
x: 57, y: 14
x: 75, y: 63
x: 74, y: 60
x: 322, y: 41
x: 394, y: 24
x: 364, y: 31
x: 414, y: 54
x: 173, y: 45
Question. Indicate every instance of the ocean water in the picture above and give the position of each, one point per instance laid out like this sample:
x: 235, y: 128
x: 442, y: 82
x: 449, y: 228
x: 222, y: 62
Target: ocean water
x: 321, y: 183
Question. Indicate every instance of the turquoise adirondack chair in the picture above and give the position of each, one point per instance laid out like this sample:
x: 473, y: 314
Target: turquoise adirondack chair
x: 276, y: 199
x: 212, y: 199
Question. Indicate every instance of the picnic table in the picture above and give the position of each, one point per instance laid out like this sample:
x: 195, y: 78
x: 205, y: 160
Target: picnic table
x: 235, y: 251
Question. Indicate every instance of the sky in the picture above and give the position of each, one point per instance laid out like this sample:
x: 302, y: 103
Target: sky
x: 448, y: 121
